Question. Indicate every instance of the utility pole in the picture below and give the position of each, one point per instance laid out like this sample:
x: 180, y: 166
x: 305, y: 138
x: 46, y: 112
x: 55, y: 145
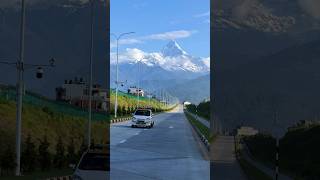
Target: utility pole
x: 91, y: 74
x: 20, y: 84
x: 117, y: 71
x: 138, y: 84
x: 21, y: 67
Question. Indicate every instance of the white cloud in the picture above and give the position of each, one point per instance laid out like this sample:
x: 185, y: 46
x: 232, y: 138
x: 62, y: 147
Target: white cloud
x: 312, y: 7
x: 206, y: 61
x: 206, y: 14
x: 128, y: 41
x: 170, y: 35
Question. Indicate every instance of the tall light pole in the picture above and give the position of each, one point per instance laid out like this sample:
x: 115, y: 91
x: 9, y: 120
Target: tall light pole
x: 91, y: 74
x: 20, y: 69
x: 117, y: 71
x: 139, y: 75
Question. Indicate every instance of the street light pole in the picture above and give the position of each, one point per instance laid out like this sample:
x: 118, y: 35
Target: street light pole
x: 138, y: 83
x: 20, y: 69
x: 91, y: 74
x: 117, y: 71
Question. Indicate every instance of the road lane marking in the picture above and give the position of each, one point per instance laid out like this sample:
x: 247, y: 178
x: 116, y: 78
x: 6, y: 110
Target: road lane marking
x: 137, y: 133
x: 170, y: 127
x: 122, y: 141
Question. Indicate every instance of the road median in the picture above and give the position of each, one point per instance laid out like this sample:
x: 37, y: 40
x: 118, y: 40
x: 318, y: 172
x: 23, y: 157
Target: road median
x: 202, y: 131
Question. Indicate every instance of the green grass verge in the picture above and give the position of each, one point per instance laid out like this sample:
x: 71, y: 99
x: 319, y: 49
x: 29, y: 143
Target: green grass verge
x: 41, y: 175
x: 202, y: 128
x: 252, y: 172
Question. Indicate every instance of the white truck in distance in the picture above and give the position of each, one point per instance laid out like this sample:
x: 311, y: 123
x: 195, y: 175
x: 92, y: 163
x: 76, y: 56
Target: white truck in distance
x: 142, y: 118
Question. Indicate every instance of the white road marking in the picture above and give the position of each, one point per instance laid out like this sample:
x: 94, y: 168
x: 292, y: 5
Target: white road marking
x: 137, y: 133
x: 122, y: 141
x: 170, y: 127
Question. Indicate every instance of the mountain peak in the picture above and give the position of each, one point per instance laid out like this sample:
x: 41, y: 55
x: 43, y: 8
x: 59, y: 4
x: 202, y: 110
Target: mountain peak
x: 173, y: 49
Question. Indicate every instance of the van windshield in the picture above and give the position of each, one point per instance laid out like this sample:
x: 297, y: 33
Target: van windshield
x: 142, y: 113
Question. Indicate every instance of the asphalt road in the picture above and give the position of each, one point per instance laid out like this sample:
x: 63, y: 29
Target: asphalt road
x: 224, y: 165
x: 167, y: 151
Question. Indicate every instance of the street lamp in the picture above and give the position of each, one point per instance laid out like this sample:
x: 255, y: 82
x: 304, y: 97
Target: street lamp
x: 21, y: 67
x: 117, y: 71
x: 91, y: 71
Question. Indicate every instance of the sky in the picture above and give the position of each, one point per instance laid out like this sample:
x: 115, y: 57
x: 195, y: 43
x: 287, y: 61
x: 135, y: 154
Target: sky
x: 156, y: 22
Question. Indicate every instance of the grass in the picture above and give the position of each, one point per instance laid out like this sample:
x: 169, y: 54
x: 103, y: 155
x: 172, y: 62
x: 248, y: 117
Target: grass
x: 41, y: 175
x: 202, y: 128
x: 38, y: 122
x: 252, y: 172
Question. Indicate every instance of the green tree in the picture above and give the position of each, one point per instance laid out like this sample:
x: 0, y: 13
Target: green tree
x: 119, y: 110
x: 124, y: 110
x: 82, y: 149
x: 59, y: 158
x: 28, y: 155
x: 7, y: 161
x: 44, y: 154
x: 71, y: 155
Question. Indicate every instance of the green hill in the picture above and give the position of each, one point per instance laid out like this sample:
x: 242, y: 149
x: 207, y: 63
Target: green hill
x: 128, y: 103
x: 41, y: 118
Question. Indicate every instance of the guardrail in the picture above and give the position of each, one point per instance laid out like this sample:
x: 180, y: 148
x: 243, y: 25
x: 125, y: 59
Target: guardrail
x: 201, y: 136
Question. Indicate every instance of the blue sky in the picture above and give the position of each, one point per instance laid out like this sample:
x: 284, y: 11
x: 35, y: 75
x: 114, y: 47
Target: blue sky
x: 157, y: 21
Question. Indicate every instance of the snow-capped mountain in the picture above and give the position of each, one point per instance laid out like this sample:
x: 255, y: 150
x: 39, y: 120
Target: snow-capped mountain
x: 159, y: 70
x: 171, y: 58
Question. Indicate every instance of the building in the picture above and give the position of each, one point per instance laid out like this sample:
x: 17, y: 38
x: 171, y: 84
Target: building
x: 136, y: 91
x: 246, y: 131
x: 186, y: 103
x: 76, y: 92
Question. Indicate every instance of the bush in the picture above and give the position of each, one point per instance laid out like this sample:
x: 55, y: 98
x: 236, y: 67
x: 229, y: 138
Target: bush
x: 59, y: 158
x: 7, y: 161
x: 44, y: 155
x: 28, y: 155
x: 71, y: 155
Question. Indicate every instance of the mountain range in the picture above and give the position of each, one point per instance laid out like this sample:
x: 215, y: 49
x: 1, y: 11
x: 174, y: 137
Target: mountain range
x: 168, y: 68
x: 266, y: 62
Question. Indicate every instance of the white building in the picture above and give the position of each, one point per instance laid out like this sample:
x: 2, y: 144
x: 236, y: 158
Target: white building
x: 186, y: 103
x: 246, y: 131
x: 76, y: 92
x: 136, y: 91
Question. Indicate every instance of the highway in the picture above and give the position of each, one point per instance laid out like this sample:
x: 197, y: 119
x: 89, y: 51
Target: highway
x: 167, y: 151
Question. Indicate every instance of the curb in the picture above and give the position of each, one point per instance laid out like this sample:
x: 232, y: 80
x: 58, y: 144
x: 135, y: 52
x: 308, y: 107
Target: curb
x: 60, y: 178
x: 120, y: 120
x: 202, y: 137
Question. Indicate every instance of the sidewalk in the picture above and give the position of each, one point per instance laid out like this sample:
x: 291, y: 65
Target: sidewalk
x: 224, y: 165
